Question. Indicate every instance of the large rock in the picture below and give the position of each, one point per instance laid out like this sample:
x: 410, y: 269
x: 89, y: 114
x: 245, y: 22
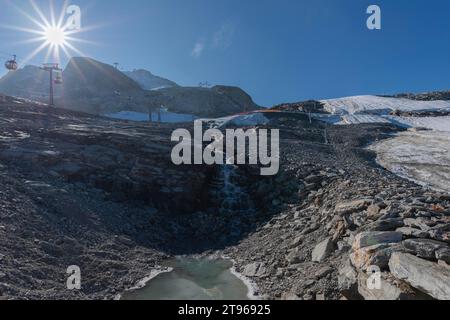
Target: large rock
x: 421, y: 223
x: 385, y: 225
x: 377, y: 255
x: 442, y: 254
x: 367, y: 239
x: 388, y: 290
x: 426, y: 276
x: 348, y: 281
x: 352, y: 206
x: 323, y: 250
x: 413, y: 232
x: 373, y: 212
x: 254, y: 270
x: 424, y: 248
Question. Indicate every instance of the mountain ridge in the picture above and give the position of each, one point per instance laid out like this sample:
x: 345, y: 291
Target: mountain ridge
x: 98, y: 88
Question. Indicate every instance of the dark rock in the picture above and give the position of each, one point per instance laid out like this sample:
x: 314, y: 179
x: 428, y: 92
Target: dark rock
x: 424, y: 248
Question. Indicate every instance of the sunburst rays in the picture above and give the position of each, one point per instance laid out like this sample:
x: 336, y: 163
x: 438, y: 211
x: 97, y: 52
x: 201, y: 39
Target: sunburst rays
x: 51, y: 32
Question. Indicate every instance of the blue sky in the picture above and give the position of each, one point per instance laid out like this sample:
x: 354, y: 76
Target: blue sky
x: 277, y: 50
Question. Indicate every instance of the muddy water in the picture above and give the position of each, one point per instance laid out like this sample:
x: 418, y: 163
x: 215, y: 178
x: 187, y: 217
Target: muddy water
x: 193, y: 279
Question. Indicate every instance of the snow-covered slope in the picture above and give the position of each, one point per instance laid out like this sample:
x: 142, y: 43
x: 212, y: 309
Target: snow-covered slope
x: 432, y: 123
x: 380, y: 105
x: 423, y: 157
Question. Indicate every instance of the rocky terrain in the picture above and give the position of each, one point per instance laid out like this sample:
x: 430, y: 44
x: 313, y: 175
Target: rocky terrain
x: 426, y: 96
x: 87, y: 191
x: 338, y: 215
x: 83, y: 190
x: 306, y: 106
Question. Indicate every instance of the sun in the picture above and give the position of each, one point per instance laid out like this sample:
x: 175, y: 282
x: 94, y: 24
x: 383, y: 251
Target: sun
x: 55, y: 36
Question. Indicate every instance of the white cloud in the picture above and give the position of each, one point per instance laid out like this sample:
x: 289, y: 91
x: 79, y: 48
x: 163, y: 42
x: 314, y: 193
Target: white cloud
x: 199, y: 47
x: 222, y: 39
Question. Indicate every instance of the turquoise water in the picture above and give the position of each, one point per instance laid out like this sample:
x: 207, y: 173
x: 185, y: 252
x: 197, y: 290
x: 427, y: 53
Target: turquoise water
x: 193, y: 279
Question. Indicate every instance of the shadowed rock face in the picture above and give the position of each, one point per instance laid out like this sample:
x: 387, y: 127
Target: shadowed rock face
x: 149, y: 81
x: 128, y: 161
x: 204, y: 102
x: 76, y: 189
x: 88, y: 77
x: 30, y: 83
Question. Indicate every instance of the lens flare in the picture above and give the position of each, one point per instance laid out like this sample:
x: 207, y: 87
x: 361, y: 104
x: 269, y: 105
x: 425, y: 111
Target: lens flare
x: 54, y: 34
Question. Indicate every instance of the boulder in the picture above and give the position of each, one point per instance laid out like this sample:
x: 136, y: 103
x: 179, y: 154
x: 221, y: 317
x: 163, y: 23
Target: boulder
x: 323, y: 250
x: 442, y: 254
x: 424, y: 248
x: 294, y: 257
x: 373, y: 212
x: 352, y: 206
x: 348, y: 281
x: 420, y: 223
x: 426, y: 276
x: 367, y: 239
x: 385, y: 225
x: 377, y: 255
x: 413, y: 232
x: 388, y: 290
x: 254, y: 270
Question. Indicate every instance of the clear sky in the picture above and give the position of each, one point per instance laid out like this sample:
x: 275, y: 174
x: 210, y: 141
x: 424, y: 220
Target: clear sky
x: 276, y: 50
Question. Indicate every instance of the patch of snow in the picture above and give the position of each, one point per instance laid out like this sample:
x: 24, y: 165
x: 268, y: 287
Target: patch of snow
x: 166, y: 117
x: 380, y: 105
x: 433, y: 123
x: 328, y: 118
x: 160, y: 88
x: 362, y: 118
x: 423, y: 157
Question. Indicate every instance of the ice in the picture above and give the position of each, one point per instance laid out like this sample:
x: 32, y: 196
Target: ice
x: 433, y: 123
x: 380, y: 105
x: 423, y: 157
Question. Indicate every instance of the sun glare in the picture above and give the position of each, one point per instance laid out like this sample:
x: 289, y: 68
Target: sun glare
x: 55, y: 36
x: 54, y: 33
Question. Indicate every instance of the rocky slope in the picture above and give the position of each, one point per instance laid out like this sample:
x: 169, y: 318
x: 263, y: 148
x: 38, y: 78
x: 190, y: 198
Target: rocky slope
x: 149, y: 81
x: 217, y: 101
x: 426, y: 96
x: 337, y: 216
x: 30, y: 83
x: 83, y: 190
x: 86, y: 191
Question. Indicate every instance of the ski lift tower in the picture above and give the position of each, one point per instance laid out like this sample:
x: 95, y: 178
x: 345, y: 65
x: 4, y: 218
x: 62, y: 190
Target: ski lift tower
x: 50, y: 67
